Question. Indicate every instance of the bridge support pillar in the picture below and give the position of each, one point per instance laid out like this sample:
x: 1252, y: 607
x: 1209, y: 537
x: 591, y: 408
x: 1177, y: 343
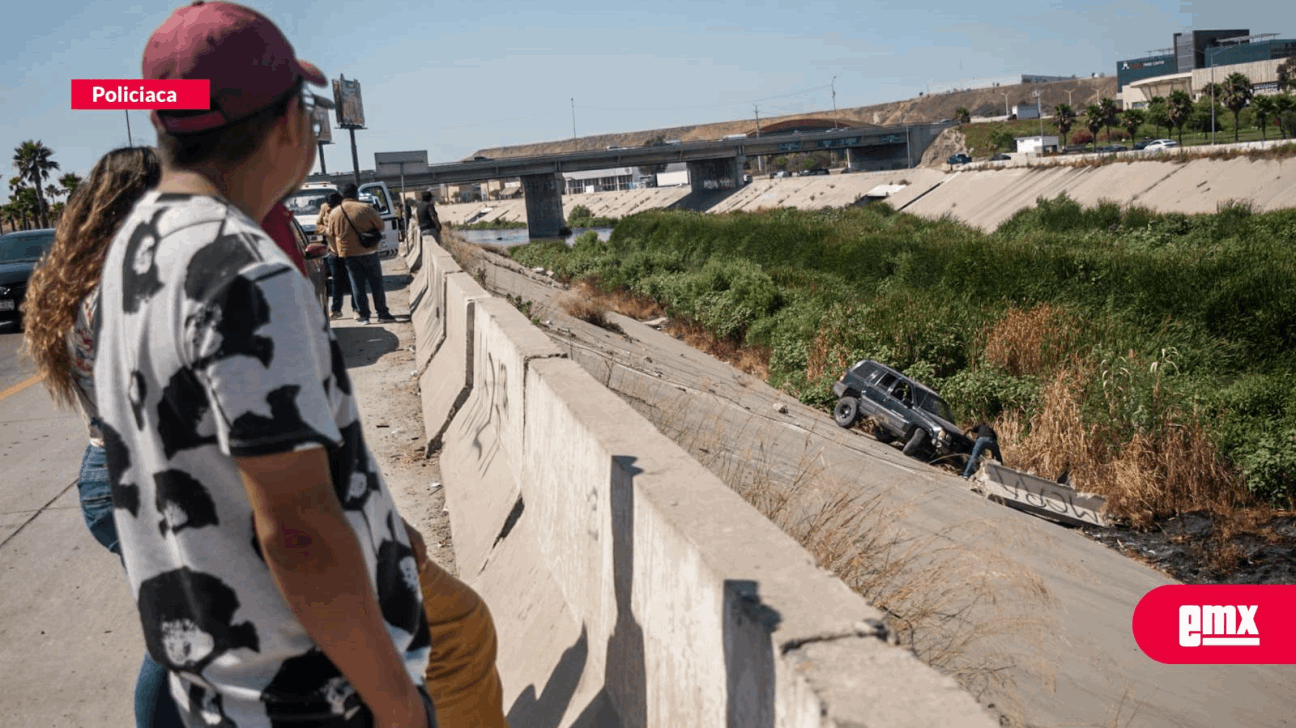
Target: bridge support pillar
x: 544, y: 205
x: 716, y: 174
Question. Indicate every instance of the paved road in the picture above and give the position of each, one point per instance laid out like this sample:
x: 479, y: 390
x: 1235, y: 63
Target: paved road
x: 71, y: 641
x: 1062, y: 625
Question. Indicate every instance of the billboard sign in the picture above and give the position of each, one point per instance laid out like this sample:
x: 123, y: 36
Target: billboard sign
x: 390, y: 164
x: 325, y: 135
x: 350, y: 109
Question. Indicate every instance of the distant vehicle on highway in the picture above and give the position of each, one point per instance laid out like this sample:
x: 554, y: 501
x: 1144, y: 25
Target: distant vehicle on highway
x: 899, y: 408
x: 959, y: 158
x: 1112, y: 148
x: 1140, y: 144
x: 1159, y: 145
x: 614, y: 147
x: 1000, y: 157
x: 19, y: 253
x: 732, y: 137
x: 815, y: 172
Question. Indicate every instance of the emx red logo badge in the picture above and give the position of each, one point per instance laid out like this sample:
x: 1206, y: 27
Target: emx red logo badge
x: 1218, y: 624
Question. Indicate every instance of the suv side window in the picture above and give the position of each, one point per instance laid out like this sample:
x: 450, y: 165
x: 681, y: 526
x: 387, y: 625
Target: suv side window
x: 886, y: 382
x: 901, y: 392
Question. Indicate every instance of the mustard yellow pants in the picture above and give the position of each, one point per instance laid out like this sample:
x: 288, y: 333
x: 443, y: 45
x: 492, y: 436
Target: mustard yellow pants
x: 461, y: 676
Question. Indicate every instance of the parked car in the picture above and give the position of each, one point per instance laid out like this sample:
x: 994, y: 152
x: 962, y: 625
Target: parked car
x: 1000, y: 158
x: 899, y: 408
x: 959, y: 158
x: 1140, y: 144
x: 1112, y: 148
x: 316, y: 271
x: 19, y: 253
x: 815, y: 172
x: 1158, y: 145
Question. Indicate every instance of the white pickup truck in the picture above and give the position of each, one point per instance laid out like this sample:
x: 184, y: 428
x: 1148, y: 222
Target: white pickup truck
x: 305, y: 204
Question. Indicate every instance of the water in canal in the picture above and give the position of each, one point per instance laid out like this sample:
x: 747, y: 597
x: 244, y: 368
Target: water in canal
x: 518, y: 236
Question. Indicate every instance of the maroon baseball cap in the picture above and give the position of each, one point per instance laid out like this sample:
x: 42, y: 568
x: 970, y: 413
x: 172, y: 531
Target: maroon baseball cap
x: 249, y: 62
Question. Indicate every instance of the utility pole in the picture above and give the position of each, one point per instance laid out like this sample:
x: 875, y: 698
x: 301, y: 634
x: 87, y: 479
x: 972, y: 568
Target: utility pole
x: 834, y: 95
x: 760, y: 161
x: 1039, y: 111
x: 129, y: 141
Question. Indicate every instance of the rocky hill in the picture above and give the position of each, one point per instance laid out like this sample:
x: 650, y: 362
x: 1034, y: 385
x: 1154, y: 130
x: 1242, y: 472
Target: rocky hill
x: 921, y: 110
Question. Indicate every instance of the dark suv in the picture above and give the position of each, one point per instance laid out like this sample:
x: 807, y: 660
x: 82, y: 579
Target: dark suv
x: 900, y: 409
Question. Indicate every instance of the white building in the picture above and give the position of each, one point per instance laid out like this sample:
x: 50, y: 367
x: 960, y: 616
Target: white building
x: 1037, y: 143
x: 676, y: 175
x: 602, y: 180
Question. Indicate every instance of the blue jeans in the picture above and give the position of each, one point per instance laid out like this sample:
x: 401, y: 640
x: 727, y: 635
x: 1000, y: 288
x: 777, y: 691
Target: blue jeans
x: 366, y: 273
x: 154, y: 706
x: 340, y: 283
x: 981, y: 444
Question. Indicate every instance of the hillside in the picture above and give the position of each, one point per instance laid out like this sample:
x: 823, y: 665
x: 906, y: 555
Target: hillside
x: 921, y: 110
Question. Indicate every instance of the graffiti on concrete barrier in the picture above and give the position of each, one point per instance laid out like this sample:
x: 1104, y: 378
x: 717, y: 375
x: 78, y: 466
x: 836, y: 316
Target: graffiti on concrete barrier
x: 1016, y: 488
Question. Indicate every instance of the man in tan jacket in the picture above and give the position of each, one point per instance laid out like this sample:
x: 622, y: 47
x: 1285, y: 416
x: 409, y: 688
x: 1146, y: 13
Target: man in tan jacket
x: 345, y: 223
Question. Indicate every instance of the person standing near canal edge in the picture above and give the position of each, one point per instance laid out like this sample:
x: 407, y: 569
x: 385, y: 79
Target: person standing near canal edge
x: 346, y: 222
x: 985, y: 437
x: 274, y: 577
x: 62, y: 314
x: 428, y: 220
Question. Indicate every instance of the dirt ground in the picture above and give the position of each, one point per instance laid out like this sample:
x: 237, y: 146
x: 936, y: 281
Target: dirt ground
x: 380, y: 360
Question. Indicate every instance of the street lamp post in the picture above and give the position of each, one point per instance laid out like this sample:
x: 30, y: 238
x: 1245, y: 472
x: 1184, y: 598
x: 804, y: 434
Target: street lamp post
x: 1005, y: 95
x: 1039, y: 111
x: 1069, y: 97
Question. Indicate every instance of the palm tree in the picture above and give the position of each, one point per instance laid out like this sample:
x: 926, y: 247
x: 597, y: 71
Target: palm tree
x: 1131, y: 120
x: 1179, y: 109
x: 962, y: 115
x: 1287, y: 75
x: 20, y: 212
x: 70, y: 182
x: 1109, y: 112
x: 1093, y: 121
x: 1157, y: 114
x: 9, y: 213
x: 1235, y: 93
x: 1063, y: 117
x: 34, y: 162
x: 1264, y: 109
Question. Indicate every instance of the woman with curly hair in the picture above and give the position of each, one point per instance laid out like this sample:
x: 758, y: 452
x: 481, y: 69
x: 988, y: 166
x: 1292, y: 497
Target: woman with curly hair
x: 61, y: 309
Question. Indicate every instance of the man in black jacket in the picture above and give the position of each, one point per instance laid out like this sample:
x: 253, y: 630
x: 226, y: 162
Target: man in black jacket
x: 428, y: 221
x: 985, y: 437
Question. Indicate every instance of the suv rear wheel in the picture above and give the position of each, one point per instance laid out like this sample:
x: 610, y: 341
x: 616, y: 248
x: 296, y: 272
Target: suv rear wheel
x: 846, y: 412
x: 915, y: 442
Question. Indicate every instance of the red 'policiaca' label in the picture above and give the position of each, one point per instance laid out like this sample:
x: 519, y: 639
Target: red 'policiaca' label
x: 132, y: 94
x: 1218, y: 624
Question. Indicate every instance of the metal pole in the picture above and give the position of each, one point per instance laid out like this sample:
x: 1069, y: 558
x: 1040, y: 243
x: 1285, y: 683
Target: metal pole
x: 129, y: 140
x: 1005, y: 95
x: 573, y: 105
x: 355, y: 157
x: 760, y: 161
x: 323, y: 169
x: 1039, y: 109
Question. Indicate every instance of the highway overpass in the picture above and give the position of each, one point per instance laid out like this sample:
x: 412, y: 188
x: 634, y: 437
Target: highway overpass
x: 712, y: 164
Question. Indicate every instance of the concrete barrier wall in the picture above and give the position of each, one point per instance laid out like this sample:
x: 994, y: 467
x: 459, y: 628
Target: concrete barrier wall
x: 631, y: 587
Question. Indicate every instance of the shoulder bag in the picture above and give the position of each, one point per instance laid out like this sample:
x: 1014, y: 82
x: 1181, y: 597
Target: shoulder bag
x: 369, y: 239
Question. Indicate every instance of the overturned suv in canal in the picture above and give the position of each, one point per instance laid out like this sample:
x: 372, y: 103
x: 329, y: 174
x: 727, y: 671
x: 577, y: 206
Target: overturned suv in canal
x: 899, y: 409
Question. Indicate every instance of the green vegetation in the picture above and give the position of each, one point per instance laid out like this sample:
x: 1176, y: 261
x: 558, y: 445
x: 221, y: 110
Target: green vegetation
x: 580, y: 216
x: 1150, y: 354
x: 498, y: 224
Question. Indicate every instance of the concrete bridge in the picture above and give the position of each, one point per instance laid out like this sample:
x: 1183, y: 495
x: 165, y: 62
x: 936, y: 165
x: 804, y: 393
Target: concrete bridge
x: 713, y: 165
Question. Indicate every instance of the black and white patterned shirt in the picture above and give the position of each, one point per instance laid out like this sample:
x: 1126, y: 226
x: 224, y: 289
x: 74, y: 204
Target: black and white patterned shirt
x: 211, y: 347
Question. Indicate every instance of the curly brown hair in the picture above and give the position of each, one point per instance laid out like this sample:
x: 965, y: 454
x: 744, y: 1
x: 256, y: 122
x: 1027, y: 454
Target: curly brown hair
x: 70, y: 270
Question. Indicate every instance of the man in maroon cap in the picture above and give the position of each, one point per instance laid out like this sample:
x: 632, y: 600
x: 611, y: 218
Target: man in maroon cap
x: 274, y: 578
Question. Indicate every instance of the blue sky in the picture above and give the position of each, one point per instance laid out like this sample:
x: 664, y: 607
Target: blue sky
x: 456, y: 77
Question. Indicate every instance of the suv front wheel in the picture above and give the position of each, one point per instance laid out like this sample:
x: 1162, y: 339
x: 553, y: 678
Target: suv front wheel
x: 846, y: 412
x: 915, y: 442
